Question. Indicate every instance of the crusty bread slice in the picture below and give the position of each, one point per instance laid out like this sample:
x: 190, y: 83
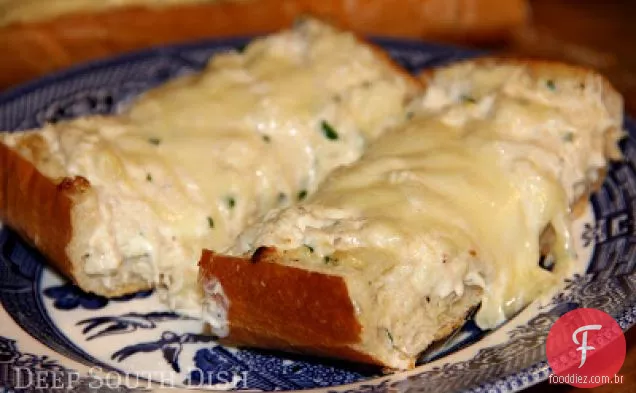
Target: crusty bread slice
x: 273, y: 302
x: 452, y: 210
x: 124, y: 203
x: 41, y: 41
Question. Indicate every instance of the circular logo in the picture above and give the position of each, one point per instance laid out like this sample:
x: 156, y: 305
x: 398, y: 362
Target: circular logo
x: 586, y: 349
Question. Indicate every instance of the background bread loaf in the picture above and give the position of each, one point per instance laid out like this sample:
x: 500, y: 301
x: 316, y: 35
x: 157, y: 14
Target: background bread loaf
x: 35, y: 47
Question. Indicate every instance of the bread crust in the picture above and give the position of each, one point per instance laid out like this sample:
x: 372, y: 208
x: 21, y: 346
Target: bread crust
x: 37, y: 208
x: 275, y: 306
x: 36, y: 48
x: 298, y: 310
x: 40, y: 209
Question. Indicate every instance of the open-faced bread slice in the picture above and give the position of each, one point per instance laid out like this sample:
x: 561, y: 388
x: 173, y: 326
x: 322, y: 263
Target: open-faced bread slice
x: 127, y: 202
x: 452, y: 210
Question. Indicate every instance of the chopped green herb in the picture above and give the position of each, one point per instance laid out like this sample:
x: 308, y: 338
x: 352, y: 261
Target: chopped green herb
x: 467, y: 98
x: 282, y: 197
x: 568, y: 136
x: 302, y: 195
x: 410, y: 115
x: 148, y: 177
x: 154, y: 141
x: 210, y: 222
x: 328, y: 131
x: 86, y: 256
x: 428, y: 299
x: 231, y: 202
x: 389, y: 335
x: 310, y: 248
x: 267, y: 139
x: 550, y: 84
x: 330, y: 260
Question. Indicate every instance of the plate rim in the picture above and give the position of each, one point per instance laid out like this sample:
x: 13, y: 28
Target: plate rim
x: 19, y: 90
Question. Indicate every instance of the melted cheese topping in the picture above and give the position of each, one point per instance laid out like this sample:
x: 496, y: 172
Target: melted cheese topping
x: 34, y: 10
x: 459, y: 197
x: 429, y: 198
x: 192, y: 163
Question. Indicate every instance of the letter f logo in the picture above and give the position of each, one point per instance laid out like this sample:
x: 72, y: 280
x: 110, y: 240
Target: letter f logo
x: 584, y: 347
x: 602, y: 352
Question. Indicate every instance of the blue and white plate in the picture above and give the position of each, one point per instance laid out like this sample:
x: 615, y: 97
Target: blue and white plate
x: 54, y: 336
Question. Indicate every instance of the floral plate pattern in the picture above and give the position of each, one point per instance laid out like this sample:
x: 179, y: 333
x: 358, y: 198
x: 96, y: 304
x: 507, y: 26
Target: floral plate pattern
x: 54, y: 336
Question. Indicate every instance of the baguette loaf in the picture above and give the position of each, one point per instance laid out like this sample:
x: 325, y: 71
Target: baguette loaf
x: 135, y: 197
x: 452, y: 210
x: 40, y: 36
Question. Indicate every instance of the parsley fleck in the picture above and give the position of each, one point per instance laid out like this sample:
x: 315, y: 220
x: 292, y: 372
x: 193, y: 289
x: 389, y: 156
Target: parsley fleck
x: 310, y: 248
x: 148, y: 177
x: 266, y: 138
x: 410, y: 115
x: 467, y: 98
x: 154, y: 141
x: 302, y: 195
x: 231, y: 202
x: 568, y: 136
x: 86, y: 256
x: 330, y: 261
x: 210, y: 222
x: 328, y: 131
x: 282, y: 197
x: 550, y: 84
x: 389, y: 335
